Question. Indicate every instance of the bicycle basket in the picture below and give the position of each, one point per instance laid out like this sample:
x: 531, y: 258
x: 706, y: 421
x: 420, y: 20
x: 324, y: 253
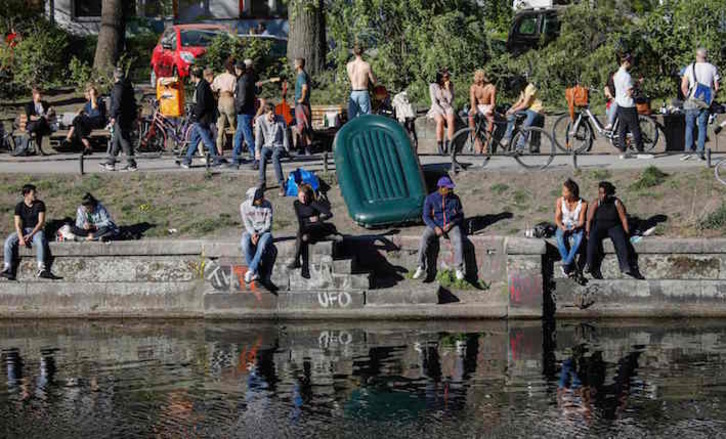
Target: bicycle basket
x: 578, y: 96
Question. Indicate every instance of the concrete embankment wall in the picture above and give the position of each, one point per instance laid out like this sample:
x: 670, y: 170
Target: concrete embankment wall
x: 364, y: 277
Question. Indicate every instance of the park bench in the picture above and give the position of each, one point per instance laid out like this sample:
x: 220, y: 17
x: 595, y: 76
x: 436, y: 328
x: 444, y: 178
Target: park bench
x: 99, y: 137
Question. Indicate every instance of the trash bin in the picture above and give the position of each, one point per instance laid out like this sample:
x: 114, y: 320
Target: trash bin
x: 170, y: 94
x: 674, y: 128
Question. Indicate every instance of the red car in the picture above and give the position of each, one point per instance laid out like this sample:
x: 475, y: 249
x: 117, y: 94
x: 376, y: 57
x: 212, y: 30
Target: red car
x: 179, y: 46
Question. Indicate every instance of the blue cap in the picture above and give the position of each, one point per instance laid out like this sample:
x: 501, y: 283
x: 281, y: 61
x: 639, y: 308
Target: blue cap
x: 445, y: 182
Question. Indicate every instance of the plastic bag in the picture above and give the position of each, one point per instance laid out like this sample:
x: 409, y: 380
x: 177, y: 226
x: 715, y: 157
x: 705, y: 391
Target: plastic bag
x: 298, y: 177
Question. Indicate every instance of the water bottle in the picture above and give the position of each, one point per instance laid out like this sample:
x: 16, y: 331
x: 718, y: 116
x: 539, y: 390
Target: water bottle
x: 325, y: 120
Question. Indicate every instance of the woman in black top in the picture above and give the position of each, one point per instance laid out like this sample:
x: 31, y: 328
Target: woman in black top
x: 607, y: 217
x: 311, y: 216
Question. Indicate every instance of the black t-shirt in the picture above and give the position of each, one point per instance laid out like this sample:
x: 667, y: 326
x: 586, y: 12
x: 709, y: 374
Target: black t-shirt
x: 305, y: 211
x: 29, y: 215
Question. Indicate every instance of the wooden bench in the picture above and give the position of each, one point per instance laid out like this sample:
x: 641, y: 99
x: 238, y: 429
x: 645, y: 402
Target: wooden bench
x: 100, y: 136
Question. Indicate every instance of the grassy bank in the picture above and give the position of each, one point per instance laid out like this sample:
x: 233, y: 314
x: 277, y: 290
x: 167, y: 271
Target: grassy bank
x: 199, y: 205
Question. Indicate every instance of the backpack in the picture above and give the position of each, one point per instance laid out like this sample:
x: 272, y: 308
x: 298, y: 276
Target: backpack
x: 700, y: 95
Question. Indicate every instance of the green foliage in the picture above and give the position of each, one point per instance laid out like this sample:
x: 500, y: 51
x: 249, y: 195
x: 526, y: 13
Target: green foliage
x: 600, y: 174
x: 499, y: 188
x: 259, y: 50
x: 649, y: 178
x: 39, y: 56
x: 408, y: 41
x: 715, y: 220
x: 447, y: 279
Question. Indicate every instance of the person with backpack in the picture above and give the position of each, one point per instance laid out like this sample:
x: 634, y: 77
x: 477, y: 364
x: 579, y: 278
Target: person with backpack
x: 607, y: 217
x: 93, y: 222
x: 699, y: 85
x: 123, y: 115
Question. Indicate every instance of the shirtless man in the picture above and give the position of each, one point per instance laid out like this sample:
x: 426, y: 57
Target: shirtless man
x: 360, y: 75
x: 483, y: 96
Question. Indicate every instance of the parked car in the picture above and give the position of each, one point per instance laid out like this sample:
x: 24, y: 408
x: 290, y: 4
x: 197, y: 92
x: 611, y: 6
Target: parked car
x: 179, y: 46
x: 533, y: 28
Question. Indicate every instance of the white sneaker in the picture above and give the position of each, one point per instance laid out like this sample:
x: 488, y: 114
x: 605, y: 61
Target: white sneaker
x: 459, y: 275
x: 685, y: 157
x: 420, y: 271
x: 563, y: 271
x: 248, y: 276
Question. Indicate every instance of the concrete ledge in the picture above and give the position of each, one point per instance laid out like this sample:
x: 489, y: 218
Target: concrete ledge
x: 525, y: 246
x: 650, y: 245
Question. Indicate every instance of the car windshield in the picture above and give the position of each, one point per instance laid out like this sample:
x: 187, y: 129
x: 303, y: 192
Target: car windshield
x: 198, y: 38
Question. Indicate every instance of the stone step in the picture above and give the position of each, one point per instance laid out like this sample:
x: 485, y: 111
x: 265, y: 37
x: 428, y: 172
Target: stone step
x: 647, y: 292
x: 405, y: 293
x: 667, y: 267
x: 285, y: 249
x: 288, y: 301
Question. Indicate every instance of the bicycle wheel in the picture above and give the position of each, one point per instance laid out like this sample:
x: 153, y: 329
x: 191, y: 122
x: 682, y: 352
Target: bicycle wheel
x: 567, y: 141
x: 535, y: 148
x: 649, y: 132
x: 153, y: 140
x: 720, y: 171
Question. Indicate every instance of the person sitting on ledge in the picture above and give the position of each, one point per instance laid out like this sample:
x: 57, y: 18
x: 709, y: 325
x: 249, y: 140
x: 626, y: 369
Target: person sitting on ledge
x: 570, y: 213
x: 29, y: 223
x: 443, y: 216
x: 93, y: 222
x: 257, y: 239
x: 311, y: 216
x: 607, y: 217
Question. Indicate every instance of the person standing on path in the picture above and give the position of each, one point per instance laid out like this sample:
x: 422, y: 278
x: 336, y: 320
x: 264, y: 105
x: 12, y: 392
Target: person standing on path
x: 303, y: 112
x: 29, y: 222
x: 123, y: 115
x: 256, y: 241
x: 361, y: 76
x: 271, y: 138
x: 224, y: 85
x: 627, y: 111
x: 443, y: 216
x: 203, y: 114
x: 244, y: 103
x: 441, y: 93
x: 699, y: 75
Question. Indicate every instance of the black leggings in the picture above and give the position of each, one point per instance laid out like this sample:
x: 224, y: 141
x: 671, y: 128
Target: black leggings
x: 620, y: 242
x: 309, y: 235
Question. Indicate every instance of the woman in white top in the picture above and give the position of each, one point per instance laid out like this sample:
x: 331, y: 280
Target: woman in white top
x: 442, y: 108
x: 570, y: 217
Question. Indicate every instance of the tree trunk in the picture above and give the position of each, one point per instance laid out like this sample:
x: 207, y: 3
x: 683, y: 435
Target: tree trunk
x: 307, y: 34
x: 111, y: 35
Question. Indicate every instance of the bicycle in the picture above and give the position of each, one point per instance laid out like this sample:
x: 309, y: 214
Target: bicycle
x: 532, y: 147
x: 158, y: 133
x: 579, y: 137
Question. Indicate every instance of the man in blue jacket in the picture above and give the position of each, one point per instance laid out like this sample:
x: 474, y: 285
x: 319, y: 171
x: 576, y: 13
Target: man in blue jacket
x: 443, y: 216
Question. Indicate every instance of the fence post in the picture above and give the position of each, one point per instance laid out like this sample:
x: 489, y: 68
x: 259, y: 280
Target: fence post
x: 574, y: 159
x: 81, y: 163
x: 207, y: 160
x: 325, y: 162
x: 708, y: 158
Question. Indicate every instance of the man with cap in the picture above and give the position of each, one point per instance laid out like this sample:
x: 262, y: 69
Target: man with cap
x: 244, y: 103
x: 123, y: 114
x: 443, y: 216
x: 257, y: 239
x: 203, y: 114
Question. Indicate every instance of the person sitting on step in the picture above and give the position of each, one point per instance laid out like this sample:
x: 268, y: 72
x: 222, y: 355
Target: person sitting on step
x: 443, y: 216
x: 256, y: 242
x: 93, y: 222
x: 29, y: 222
x: 570, y: 212
x: 311, y: 216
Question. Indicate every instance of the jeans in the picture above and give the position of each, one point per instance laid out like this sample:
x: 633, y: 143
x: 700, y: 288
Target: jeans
x: 244, y: 129
x: 359, y: 104
x: 629, y: 122
x: 532, y: 118
x: 200, y: 132
x: 699, y: 116
x: 121, y: 140
x: 620, y: 242
x: 255, y: 253
x: 265, y: 155
x: 456, y: 238
x: 39, y: 242
x: 568, y: 243
x: 612, y: 112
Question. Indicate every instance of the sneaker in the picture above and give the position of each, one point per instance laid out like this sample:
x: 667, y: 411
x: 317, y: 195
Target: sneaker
x: 248, y: 276
x: 107, y: 167
x: 685, y: 157
x: 130, y: 168
x: 717, y: 130
x: 702, y: 157
x: 626, y: 155
x: 233, y: 165
x: 45, y: 274
x: 7, y: 274
x: 563, y: 271
x: 185, y: 165
x: 420, y: 271
x: 254, y: 277
x: 459, y: 275
x: 642, y: 156
x: 505, y: 142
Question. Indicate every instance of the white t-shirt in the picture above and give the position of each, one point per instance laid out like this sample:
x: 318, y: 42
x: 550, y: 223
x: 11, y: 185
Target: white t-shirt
x: 706, y: 73
x: 623, y: 82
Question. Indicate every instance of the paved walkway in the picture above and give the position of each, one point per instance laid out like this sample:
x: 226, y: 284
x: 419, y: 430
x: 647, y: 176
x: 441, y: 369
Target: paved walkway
x: 70, y: 164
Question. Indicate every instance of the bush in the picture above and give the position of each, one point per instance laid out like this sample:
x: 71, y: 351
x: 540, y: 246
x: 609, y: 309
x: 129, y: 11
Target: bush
x: 649, y: 178
x: 39, y: 57
x: 259, y: 50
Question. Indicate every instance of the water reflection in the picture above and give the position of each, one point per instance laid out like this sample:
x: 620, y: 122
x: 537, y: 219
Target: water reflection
x: 190, y: 379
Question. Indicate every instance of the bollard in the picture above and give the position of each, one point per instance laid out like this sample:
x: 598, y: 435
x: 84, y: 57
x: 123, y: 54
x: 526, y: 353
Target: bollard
x: 80, y: 162
x: 708, y: 158
x: 207, y: 160
x: 325, y: 162
x: 574, y: 159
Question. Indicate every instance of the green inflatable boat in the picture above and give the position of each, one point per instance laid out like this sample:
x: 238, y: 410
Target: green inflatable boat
x: 378, y: 172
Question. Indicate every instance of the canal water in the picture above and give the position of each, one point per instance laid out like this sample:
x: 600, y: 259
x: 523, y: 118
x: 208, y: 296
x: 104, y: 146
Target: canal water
x: 140, y: 379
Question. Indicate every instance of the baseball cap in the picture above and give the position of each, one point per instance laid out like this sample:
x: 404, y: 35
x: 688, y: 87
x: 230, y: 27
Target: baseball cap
x: 445, y: 182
